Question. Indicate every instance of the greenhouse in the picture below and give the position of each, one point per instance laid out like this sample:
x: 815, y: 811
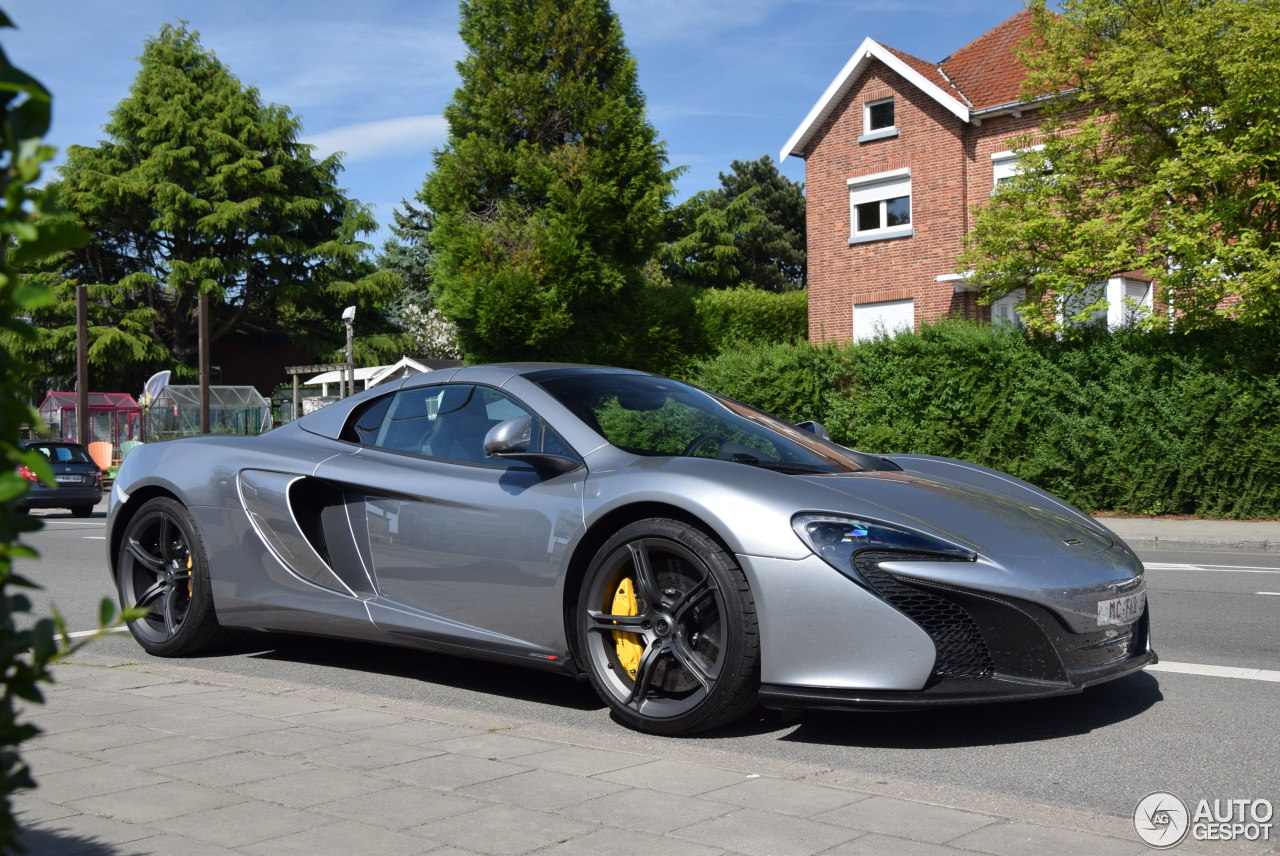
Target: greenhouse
x: 175, y: 412
x: 113, y: 417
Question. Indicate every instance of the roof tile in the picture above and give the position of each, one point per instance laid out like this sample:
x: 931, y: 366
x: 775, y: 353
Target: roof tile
x: 987, y: 70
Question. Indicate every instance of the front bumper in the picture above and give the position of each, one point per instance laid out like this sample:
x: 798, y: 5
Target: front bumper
x: 989, y: 648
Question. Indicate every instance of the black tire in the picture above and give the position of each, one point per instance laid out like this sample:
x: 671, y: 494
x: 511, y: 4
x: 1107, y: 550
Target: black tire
x: 162, y: 566
x: 81, y: 511
x: 688, y: 659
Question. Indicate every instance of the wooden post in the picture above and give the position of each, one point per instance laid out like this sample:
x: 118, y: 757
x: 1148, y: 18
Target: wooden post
x: 82, y: 366
x: 203, y: 322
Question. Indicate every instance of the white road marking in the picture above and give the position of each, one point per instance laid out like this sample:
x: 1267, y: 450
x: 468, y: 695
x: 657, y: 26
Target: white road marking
x: 1268, y: 592
x: 93, y: 537
x: 79, y: 634
x: 1217, y: 569
x: 1216, y: 671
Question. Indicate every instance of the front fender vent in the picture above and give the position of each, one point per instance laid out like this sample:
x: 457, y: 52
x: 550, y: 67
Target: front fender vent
x: 962, y: 650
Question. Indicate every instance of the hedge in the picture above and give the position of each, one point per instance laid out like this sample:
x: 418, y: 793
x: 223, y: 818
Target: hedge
x: 1131, y: 422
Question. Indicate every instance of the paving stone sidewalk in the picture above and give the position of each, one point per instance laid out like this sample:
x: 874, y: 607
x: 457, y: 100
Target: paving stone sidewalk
x: 1168, y: 533
x: 160, y: 758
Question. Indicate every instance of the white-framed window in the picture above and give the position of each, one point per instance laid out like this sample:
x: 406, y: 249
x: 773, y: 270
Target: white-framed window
x: 1004, y: 165
x: 880, y: 206
x: 1128, y: 301
x: 883, y: 318
x: 878, y: 120
x: 1005, y: 309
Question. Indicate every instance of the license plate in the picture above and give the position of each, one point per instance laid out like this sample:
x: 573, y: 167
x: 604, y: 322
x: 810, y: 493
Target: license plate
x: 1121, y: 610
x: 72, y: 479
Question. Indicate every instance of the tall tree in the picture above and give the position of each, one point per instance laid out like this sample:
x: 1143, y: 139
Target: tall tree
x: 1160, y: 154
x: 407, y: 253
x: 547, y: 198
x: 748, y: 232
x: 201, y: 188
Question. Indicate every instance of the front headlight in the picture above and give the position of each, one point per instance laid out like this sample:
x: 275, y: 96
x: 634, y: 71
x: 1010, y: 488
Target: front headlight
x: 837, y: 539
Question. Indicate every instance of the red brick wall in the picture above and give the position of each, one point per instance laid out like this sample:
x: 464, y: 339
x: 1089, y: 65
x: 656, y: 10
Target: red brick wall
x: 951, y: 171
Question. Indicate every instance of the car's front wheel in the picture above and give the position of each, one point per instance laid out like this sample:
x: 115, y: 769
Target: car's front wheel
x: 666, y: 629
x: 162, y: 568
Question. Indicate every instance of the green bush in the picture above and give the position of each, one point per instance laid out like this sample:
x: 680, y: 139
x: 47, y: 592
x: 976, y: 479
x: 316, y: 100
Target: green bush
x: 1133, y: 422
x: 794, y: 380
x: 730, y: 317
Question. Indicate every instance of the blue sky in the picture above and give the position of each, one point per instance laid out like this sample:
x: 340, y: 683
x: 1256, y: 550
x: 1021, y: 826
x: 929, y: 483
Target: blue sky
x: 724, y: 79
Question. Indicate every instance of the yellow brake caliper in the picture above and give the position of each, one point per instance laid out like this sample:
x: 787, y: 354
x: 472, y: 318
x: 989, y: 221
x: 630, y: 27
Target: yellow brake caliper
x: 191, y: 580
x: 629, y: 645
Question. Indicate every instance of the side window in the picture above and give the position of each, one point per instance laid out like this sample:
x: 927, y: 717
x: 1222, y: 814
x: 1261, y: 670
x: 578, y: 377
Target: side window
x: 364, y: 426
x: 448, y: 422
x: 411, y: 420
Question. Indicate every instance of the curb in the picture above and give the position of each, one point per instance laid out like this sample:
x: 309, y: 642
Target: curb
x: 1213, y: 545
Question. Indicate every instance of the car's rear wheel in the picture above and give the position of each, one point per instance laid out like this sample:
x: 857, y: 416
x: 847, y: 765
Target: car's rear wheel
x: 162, y: 568
x: 81, y: 510
x: 666, y: 629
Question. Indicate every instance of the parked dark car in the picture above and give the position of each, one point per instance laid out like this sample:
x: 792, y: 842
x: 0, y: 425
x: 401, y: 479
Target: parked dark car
x: 79, y: 481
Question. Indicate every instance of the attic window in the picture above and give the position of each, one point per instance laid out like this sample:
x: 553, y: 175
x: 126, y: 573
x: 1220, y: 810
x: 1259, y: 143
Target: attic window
x: 878, y: 120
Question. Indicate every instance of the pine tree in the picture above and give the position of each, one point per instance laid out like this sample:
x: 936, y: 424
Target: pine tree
x: 748, y: 232
x: 547, y: 199
x: 203, y: 188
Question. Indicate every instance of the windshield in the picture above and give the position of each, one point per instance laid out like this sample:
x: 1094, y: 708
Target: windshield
x: 648, y: 415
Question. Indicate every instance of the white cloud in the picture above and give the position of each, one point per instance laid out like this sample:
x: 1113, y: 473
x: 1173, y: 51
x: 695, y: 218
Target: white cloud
x: 368, y: 140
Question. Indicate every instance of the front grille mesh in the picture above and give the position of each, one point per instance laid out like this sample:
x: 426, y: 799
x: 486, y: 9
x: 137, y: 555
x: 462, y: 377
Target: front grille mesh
x: 962, y: 652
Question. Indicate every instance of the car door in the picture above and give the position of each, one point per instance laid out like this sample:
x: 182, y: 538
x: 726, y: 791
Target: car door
x: 464, y: 551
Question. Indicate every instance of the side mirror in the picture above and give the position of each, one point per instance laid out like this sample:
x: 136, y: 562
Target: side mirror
x: 511, y: 439
x: 815, y: 428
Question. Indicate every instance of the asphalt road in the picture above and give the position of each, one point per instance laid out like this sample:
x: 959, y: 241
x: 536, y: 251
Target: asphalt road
x: 1198, y: 736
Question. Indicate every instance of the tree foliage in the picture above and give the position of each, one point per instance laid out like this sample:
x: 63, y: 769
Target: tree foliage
x: 748, y: 232
x: 29, y: 231
x: 547, y: 198
x: 1161, y: 154
x: 407, y: 254
x: 201, y: 188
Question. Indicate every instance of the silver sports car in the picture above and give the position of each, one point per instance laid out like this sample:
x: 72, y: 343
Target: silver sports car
x: 689, y: 555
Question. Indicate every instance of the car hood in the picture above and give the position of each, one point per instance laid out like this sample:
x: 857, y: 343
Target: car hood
x: 988, y: 512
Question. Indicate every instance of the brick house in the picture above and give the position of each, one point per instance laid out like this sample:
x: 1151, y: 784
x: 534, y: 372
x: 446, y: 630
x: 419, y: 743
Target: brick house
x: 897, y: 152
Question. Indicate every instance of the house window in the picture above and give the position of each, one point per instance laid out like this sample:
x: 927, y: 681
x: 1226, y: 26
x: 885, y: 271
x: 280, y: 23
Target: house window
x: 1005, y: 309
x: 878, y: 120
x: 1005, y: 165
x: 884, y: 318
x: 880, y: 206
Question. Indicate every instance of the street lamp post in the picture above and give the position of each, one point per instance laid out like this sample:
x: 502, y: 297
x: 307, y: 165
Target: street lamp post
x: 349, y: 318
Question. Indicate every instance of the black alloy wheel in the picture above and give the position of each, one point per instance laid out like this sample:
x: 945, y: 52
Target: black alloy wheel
x: 666, y: 628
x: 162, y: 568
